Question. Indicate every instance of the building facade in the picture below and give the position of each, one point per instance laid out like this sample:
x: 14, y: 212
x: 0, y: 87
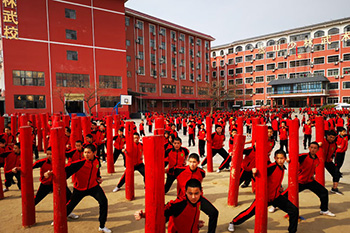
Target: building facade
x: 67, y: 55
x: 308, y: 66
x: 168, y: 66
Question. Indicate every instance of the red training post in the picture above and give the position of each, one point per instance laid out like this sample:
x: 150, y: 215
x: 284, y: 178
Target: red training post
x: 116, y: 119
x: 129, y: 154
x: 59, y: 180
x: 237, y: 157
x: 23, y: 120
x: 27, y: 189
x: 320, y: 170
x: 240, y: 125
x: 293, y: 167
x: 261, y: 196
x: 43, y: 118
x: 2, y: 124
x: 66, y: 120
x: 75, y: 133
x: 154, y: 194
x: 110, y: 159
x: 255, y: 122
x: 13, y: 125
x: 209, y: 127
x: 159, y: 123
x: 39, y: 132
x: 86, y: 125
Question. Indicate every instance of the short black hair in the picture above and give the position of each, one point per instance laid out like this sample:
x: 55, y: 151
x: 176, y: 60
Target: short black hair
x: 177, y: 139
x: 49, y: 149
x: 18, y: 144
x: 315, y: 143
x: 89, y: 136
x: 194, y: 156
x: 193, y: 183
x: 269, y: 127
x: 136, y: 134
x: 234, y: 129
x: 331, y: 133
x: 91, y: 147
x: 68, y: 129
x: 341, y: 129
x: 79, y: 141
x: 280, y: 152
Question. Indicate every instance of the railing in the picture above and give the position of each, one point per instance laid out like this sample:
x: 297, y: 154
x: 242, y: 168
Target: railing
x: 282, y: 92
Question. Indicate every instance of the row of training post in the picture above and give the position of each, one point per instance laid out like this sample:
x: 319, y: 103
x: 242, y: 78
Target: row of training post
x: 154, y: 167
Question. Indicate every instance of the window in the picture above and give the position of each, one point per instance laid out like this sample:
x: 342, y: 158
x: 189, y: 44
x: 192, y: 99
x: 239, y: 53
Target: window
x: 300, y: 37
x: 346, y: 57
x: 282, y: 53
x: 304, y: 62
x: 248, y: 80
x: 249, y: 69
x: 72, y: 80
x: 346, y: 44
x: 333, y: 31
x: 239, y: 59
x: 259, y: 68
x: 29, y: 101
x: 191, y: 40
x: 222, y: 83
x: 239, y: 102
x: 162, y: 60
x: 239, y: 70
x: 109, y: 101
x: 332, y: 72
x: 282, y: 41
x: 346, y: 99
x: 214, y: 74
x: 239, y: 49
x: 230, y: 50
x: 127, y: 21
x: 332, y: 59
x: 249, y: 47
x: 259, y: 56
x: 333, y: 86
x: 108, y: 81
x: 302, y: 50
x: 318, y: 34
x: 282, y: 65
x: 153, y: 58
x: 332, y: 100
x: 28, y: 78
x: 187, y: 90
x: 271, y: 54
x: 282, y: 76
x: 173, y: 35
x: 270, y: 78
x: 268, y: 102
x: 319, y: 73
x: 230, y: 61
x: 239, y: 92
x: 346, y: 85
x: 139, y: 25
x: 270, y: 66
x: 259, y: 102
x: 268, y: 90
x: 70, y: 13
x: 203, y: 91
x: 222, y: 63
x: 231, y: 72
x: 334, y: 45
x: 239, y: 81
x: 319, y: 60
x: 318, y: 47
x: 270, y: 43
x: 259, y: 45
x: 127, y: 42
x: 249, y: 91
x: 231, y: 82
x: 169, y: 89
x: 214, y: 64
x: 347, y: 28
x: 222, y: 73
x: 346, y: 70
x: 139, y: 40
x: 152, y: 29
x: 259, y: 90
x: 214, y: 54
x: 71, y: 34
x: 259, y: 79
x: 147, y: 87
x: 72, y: 55
x: 140, y: 56
x: 182, y: 37
x: 248, y: 58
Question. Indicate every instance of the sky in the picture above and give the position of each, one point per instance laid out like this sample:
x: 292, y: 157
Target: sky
x: 232, y: 20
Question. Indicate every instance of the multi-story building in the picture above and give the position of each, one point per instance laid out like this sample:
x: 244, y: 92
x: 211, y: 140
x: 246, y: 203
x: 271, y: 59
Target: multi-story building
x: 168, y: 66
x: 68, y: 55
x: 295, y: 68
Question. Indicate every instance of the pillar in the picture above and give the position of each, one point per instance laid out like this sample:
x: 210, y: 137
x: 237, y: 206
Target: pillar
x: 320, y: 169
x: 110, y: 159
x: 293, y: 167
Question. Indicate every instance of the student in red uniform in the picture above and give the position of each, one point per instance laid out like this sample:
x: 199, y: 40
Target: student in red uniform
x: 191, y: 129
x: 307, y: 130
x: 217, y: 147
x: 67, y: 133
x: 283, y: 132
x: 101, y: 138
x: 77, y: 153
x: 119, y: 144
x: 176, y: 156
x: 339, y: 123
x: 87, y: 182
x: 142, y: 129
x: 9, y: 138
x: 12, y: 167
x: 4, y: 148
x: 183, y: 213
x: 307, y: 166
x: 89, y: 140
x: 342, y: 146
x: 275, y: 173
x: 173, y: 130
x: 201, y: 140
x: 138, y: 161
x: 184, y: 125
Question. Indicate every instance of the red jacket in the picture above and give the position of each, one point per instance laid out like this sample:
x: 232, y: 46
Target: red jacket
x: 119, y: 142
x: 184, y: 174
x: 343, y: 143
x: 217, y: 140
x: 138, y: 153
x: 74, y: 155
x: 307, y: 129
x: 45, y: 165
x: 283, y: 134
x: 141, y: 127
x: 275, y: 175
x: 100, y: 136
x: 176, y: 158
x: 12, y: 160
x: 328, y: 149
x: 201, y: 134
x: 248, y: 162
x: 307, y: 167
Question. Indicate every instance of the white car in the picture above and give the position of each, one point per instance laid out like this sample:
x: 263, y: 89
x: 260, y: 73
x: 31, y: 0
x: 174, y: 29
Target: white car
x: 341, y: 106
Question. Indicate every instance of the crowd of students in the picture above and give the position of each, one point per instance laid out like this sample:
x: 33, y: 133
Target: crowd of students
x: 85, y: 156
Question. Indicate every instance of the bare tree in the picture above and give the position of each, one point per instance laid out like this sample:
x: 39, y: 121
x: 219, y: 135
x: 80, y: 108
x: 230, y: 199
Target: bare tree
x: 219, y: 93
x: 92, y: 97
x: 63, y: 93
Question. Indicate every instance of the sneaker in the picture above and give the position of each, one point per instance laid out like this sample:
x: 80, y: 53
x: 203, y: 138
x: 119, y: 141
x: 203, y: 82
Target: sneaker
x: 244, y: 185
x: 73, y: 216
x: 336, y: 191
x: 328, y: 213
x: 231, y: 227
x: 218, y: 171
x: 116, y: 189
x: 52, y: 224
x: 272, y: 209
x: 104, y: 161
x: 105, y: 229
x: 5, y: 190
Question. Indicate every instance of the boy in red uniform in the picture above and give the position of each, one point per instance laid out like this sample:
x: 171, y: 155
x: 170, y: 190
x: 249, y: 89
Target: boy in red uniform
x: 101, y: 138
x: 9, y: 138
x: 142, y: 129
x: 12, y: 167
x: 87, y: 182
x: 307, y: 130
x: 217, y: 147
x: 201, y: 140
x: 138, y: 161
x: 183, y: 213
x: 342, y: 146
x: 275, y: 173
x: 119, y: 143
x: 77, y: 153
x: 283, y: 131
x: 176, y: 156
x: 191, y: 129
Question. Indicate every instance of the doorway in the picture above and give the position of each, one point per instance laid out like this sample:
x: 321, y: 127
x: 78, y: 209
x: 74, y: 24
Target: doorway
x: 75, y: 106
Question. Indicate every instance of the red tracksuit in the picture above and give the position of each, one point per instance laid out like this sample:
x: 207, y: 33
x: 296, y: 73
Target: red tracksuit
x: 184, y: 174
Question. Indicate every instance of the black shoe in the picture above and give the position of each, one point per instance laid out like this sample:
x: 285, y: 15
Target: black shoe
x: 336, y: 191
x: 244, y: 185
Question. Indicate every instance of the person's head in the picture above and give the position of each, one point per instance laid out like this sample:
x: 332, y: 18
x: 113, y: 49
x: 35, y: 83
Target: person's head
x: 17, y: 148
x: 233, y: 132
x: 177, y: 143
x: 283, y: 124
x: 193, y: 161
x: 102, y: 127
x: 342, y: 131
x: 136, y: 137
x: 49, y: 153
x: 331, y: 135
x: 308, y: 122
x: 193, y: 190
x: 8, y: 130
x: 67, y: 131
x: 2, y: 143
x: 93, y: 126
x: 120, y: 132
x: 280, y: 157
x: 49, y: 122
x: 89, y: 152
x: 89, y: 138
x: 30, y: 123
x: 313, y: 148
x: 79, y: 145
x: 202, y: 126
x: 218, y: 129
x: 269, y: 132
x: 173, y: 126
x: 171, y: 138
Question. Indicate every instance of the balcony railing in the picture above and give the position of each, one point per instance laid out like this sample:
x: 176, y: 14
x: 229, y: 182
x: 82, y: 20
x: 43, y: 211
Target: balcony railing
x: 286, y: 92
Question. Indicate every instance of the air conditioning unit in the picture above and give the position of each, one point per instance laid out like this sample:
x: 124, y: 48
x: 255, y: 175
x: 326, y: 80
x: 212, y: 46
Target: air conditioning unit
x: 161, y: 60
x: 175, y: 78
x: 192, y: 43
x: 154, y: 48
x: 312, y: 50
x: 336, y: 63
x: 137, y: 26
x: 154, y: 63
x: 154, y: 76
x: 273, y: 58
x: 285, y: 57
x: 312, y: 66
x: 192, y: 56
x: 192, y: 80
x: 138, y: 57
x: 336, y: 77
x: 174, y: 39
x: 236, y: 63
x: 236, y: 74
x: 251, y: 61
x: 251, y: 95
x: 180, y: 64
x: 236, y: 52
x: 175, y: 52
x: 137, y: 41
x: 154, y: 33
x: 341, y: 60
x: 175, y: 66
x: 251, y: 84
x: 251, y: 72
x: 251, y: 50
x: 273, y: 70
x: 336, y: 49
x: 342, y: 76
x: 192, y: 68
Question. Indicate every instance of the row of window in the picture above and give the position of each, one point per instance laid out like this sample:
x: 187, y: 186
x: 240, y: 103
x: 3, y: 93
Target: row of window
x: 171, y: 89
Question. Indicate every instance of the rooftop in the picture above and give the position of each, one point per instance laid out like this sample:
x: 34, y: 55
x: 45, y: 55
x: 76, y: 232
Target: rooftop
x: 298, y: 80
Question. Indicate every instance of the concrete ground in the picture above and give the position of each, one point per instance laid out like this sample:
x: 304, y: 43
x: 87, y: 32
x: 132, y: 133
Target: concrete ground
x: 120, y: 211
